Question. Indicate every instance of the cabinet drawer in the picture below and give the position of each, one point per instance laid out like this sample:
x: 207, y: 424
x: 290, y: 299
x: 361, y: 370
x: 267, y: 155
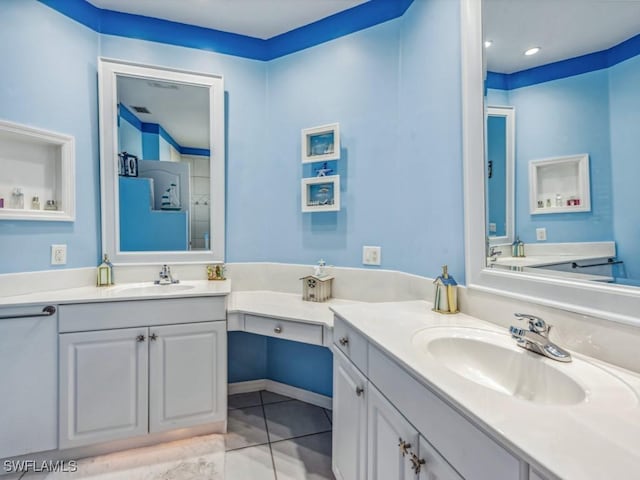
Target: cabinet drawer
x: 473, y: 453
x: 351, y: 343
x: 272, y: 327
x: 140, y: 313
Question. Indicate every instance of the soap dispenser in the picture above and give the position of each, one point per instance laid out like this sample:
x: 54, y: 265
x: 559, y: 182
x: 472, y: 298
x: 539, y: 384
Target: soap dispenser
x: 514, y: 247
x: 520, y: 248
x: 446, y: 295
x: 105, y: 272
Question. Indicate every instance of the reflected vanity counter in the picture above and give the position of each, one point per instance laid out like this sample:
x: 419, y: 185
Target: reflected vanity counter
x: 585, y: 427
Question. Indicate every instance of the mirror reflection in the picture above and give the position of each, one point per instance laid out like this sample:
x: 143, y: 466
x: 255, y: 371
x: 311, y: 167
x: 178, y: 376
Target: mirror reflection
x: 164, y: 167
x: 577, y: 106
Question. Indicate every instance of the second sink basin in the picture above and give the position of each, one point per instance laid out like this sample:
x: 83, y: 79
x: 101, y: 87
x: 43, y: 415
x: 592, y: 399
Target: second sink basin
x: 493, y: 360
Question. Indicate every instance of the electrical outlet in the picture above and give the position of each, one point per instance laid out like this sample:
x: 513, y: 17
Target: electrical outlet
x: 541, y: 234
x: 493, y: 228
x: 58, y: 254
x: 371, y: 255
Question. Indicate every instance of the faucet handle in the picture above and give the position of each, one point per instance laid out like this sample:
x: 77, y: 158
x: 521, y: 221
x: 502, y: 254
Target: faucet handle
x: 536, y: 324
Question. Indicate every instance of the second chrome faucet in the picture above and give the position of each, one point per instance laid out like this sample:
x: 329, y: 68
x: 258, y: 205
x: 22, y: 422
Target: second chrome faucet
x: 536, y: 338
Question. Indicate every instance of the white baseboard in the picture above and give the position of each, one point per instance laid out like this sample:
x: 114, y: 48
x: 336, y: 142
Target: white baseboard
x: 282, y: 389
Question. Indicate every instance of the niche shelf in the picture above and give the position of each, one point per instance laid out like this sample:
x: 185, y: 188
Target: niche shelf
x: 320, y: 144
x: 39, y: 163
x: 559, y: 185
x: 321, y: 194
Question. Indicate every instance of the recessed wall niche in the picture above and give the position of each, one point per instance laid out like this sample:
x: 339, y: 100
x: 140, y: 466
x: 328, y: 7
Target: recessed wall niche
x: 38, y: 180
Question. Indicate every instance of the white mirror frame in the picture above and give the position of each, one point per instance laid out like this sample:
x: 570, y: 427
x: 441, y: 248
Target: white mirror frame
x: 613, y: 302
x: 509, y: 114
x: 108, y: 70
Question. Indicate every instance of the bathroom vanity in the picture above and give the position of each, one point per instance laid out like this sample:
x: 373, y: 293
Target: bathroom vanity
x: 422, y: 395
x: 125, y: 363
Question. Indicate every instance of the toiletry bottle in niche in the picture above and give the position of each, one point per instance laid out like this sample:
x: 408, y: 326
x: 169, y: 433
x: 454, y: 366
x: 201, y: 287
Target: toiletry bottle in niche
x: 17, y: 198
x: 35, y: 203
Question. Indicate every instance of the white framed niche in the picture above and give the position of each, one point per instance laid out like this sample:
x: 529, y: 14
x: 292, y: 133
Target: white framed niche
x: 321, y: 194
x: 559, y: 185
x: 320, y: 144
x: 38, y: 163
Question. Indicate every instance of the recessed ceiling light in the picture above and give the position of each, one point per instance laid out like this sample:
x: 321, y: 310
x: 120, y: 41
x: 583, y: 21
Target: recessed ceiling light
x: 488, y: 43
x: 532, y: 51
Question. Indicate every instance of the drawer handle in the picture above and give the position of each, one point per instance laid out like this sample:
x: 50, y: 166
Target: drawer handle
x: 278, y: 329
x: 359, y: 391
x: 153, y: 337
x: 140, y: 338
x: 416, y: 463
x: 404, y: 447
x: 344, y: 341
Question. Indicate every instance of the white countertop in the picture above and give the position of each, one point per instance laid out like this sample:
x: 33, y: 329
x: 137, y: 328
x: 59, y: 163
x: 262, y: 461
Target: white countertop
x: 121, y: 292
x: 590, y: 440
x: 285, y: 306
x: 542, y: 260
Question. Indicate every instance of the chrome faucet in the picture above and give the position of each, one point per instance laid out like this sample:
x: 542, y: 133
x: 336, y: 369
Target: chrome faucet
x: 536, y: 338
x: 165, y: 277
x: 493, y: 253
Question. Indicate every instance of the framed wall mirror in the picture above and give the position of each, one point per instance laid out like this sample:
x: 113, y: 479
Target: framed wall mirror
x: 162, y: 164
x: 576, y: 96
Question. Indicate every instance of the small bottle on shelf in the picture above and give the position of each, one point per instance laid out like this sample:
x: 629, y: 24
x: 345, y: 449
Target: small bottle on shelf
x: 35, y: 203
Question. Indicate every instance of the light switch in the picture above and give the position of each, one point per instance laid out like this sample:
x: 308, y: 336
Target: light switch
x: 541, y: 234
x: 58, y: 254
x: 371, y: 255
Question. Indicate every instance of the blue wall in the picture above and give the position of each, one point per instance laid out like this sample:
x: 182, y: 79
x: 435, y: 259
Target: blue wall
x: 401, y: 166
x: 255, y: 357
x: 49, y: 81
x: 393, y: 87
x: 556, y: 118
x: 624, y: 95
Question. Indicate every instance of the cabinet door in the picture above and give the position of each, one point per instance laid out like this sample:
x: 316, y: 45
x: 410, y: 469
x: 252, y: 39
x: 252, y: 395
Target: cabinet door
x: 103, y: 386
x: 29, y: 399
x: 391, y: 440
x: 188, y: 375
x: 349, y: 420
x: 434, y: 466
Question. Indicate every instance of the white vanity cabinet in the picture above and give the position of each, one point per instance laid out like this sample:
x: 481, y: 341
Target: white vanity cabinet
x: 103, y: 385
x: 391, y: 441
x: 118, y: 383
x: 410, y: 432
x: 349, y: 453
x: 28, y: 359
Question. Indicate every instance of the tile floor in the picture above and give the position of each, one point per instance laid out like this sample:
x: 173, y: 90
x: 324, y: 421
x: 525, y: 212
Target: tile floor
x: 270, y: 437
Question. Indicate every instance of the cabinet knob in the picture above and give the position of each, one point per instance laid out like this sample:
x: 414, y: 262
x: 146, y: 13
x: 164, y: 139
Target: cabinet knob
x: 416, y: 463
x: 344, y: 341
x: 140, y: 338
x: 153, y: 337
x: 404, y: 447
x: 359, y: 391
x: 278, y: 329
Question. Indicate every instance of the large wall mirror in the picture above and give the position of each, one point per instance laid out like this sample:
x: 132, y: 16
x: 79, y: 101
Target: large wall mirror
x: 576, y: 103
x: 162, y: 164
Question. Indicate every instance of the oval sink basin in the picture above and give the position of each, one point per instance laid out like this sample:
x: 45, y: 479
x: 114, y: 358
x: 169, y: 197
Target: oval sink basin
x: 493, y: 360
x: 153, y: 289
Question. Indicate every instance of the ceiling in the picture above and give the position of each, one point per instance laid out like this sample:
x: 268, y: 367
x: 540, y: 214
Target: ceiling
x: 562, y: 28
x: 254, y: 18
x: 182, y: 110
